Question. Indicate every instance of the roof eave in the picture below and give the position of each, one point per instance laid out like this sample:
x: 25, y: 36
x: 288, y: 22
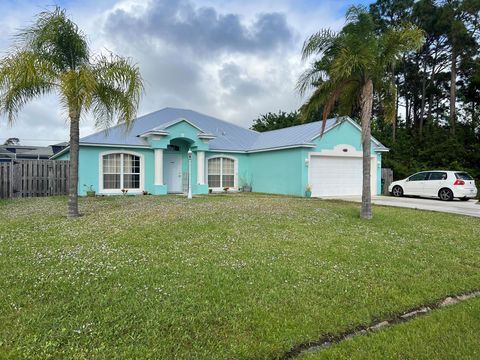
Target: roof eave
x: 99, y: 145
x: 153, y: 132
x: 206, y: 136
x: 306, y: 145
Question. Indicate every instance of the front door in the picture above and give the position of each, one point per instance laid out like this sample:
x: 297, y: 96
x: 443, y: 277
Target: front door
x: 172, y: 172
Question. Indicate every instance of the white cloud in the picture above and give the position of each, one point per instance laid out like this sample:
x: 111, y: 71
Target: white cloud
x: 234, y: 60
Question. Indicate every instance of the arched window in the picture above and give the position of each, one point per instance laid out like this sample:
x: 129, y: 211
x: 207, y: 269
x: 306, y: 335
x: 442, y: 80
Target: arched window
x: 121, y: 171
x: 221, y: 172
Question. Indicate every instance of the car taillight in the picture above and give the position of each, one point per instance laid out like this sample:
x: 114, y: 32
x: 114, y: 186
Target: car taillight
x: 459, y: 182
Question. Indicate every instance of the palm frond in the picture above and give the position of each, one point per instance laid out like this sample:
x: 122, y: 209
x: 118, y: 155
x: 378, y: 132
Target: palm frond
x: 352, y: 62
x: 23, y: 77
x: 348, y: 99
x: 318, y: 42
x: 309, y: 78
x: 118, y: 92
x: 57, y: 39
x: 325, y: 97
x: 398, y: 41
x: 388, y: 94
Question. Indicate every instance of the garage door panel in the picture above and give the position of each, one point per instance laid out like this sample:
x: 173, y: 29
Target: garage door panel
x: 336, y: 175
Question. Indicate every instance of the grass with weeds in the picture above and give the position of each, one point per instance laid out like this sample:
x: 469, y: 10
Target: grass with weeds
x: 450, y: 333
x: 222, y: 276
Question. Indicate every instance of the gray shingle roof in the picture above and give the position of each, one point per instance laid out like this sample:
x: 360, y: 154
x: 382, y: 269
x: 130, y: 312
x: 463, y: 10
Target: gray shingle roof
x: 294, y: 135
x: 228, y: 136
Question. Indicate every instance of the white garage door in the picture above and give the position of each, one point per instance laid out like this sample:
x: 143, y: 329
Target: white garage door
x: 337, y: 176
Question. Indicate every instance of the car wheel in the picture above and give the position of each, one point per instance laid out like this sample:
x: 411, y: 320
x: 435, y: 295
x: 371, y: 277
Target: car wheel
x: 464, y: 199
x: 397, y: 191
x: 445, y: 194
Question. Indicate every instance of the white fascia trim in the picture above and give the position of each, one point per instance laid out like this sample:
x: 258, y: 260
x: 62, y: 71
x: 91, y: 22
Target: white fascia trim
x: 282, y: 148
x: 227, y: 151
x: 382, y: 149
x: 115, y: 145
x: 153, y: 132
x: 263, y: 150
x: 101, y: 145
x: 206, y: 136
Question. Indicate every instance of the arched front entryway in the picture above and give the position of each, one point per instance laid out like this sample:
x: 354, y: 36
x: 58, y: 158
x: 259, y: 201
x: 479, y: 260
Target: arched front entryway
x: 175, y: 165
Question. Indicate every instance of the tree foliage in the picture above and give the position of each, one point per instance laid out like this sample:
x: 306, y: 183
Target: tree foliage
x: 12, y: 141
x: 352, y: 65
x: 437, y: 122
x: 420, y: 137
x: 52, y: 56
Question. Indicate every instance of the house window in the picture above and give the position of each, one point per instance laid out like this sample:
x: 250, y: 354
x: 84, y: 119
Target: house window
x: 121, y: 171
x: 221, y: 172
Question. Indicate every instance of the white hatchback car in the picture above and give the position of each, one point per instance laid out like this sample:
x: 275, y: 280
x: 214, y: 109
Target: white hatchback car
x: 439, y: 183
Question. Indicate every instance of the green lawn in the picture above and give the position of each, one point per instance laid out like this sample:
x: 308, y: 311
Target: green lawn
x: 451, y: 333
x: 223, y: 276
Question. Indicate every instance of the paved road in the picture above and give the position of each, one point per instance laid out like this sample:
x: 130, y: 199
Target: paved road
x: 470, y: 208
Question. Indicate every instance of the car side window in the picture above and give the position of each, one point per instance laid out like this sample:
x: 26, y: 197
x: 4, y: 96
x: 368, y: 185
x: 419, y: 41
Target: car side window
x: 418, y: 177
x: 438, y: 176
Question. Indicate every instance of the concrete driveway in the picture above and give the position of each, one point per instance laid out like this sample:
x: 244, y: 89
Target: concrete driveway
x: 470, y: 208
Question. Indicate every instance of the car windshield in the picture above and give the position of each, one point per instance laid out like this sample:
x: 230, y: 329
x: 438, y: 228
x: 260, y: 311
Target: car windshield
x: 463, y: 176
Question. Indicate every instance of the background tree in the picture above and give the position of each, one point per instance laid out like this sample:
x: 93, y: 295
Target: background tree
x: 52, y: 55
x: 273, y: 121
x: 12, y: 141
x: 282, y: 119
x: 354, y: 62
x: 427, y: 136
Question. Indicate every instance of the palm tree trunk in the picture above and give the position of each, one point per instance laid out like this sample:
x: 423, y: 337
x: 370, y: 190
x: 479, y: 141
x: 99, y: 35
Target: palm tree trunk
x: 453, y: 91
x: 395, y: 120
x: 366, y: 114
x: 422, y: 106
x: 73, y: 183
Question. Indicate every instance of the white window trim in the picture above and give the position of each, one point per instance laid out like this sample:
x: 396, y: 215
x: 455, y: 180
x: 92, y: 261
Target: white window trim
x: 235, y: 172
x: 119, y: 191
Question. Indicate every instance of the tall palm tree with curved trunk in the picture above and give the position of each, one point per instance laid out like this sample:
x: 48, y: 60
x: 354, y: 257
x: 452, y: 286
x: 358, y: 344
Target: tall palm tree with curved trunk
x: 52, y: 56
x: 354, y: 63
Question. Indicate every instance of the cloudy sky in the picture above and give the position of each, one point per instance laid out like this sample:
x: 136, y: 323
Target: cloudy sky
x: 233, y: 59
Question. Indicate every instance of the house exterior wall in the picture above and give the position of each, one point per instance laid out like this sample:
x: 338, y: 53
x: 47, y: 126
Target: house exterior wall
x: 89, y: 166
x: 277, y: 172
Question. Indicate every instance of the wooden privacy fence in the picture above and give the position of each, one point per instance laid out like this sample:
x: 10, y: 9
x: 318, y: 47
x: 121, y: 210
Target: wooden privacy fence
x: 387, y: 179
x: 28, y: 178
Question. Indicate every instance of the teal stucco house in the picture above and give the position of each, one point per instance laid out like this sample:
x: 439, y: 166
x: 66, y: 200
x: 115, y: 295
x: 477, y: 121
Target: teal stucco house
x: 152, y: 156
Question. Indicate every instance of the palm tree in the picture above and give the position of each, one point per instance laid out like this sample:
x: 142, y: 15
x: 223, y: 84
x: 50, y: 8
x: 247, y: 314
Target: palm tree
x: 355, y: 62
x: 52, y: 55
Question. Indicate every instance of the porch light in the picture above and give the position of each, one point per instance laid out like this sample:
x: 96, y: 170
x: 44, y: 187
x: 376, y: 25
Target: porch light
x: 189, y: 173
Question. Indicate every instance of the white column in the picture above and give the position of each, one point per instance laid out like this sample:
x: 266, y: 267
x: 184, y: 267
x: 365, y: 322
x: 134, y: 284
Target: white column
x: 189, y: 173
x: 201, y: 167
x: 158, y: 166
